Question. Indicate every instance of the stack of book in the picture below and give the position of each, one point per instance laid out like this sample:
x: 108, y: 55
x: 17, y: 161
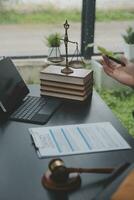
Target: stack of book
x: 77, y: 85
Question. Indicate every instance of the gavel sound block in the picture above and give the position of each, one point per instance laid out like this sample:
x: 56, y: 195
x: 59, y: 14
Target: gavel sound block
x: 59, y: 177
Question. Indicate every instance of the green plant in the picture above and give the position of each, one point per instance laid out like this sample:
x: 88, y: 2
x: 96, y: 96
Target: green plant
x: 122, y: 104
x: 54, y: 40
x: 129, y: 36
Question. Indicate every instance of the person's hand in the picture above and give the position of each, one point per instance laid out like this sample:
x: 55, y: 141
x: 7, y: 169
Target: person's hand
x: 123, y: 74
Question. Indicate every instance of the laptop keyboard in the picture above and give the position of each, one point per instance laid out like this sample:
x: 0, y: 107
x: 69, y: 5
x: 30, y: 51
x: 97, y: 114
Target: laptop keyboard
x: 29, y: 108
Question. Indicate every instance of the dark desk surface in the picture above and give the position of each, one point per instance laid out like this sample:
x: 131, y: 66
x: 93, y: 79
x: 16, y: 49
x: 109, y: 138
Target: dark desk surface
x: 21, y: 170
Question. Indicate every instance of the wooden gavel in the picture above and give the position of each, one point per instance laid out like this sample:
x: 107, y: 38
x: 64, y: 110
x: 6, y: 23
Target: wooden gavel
x: 60, y: 173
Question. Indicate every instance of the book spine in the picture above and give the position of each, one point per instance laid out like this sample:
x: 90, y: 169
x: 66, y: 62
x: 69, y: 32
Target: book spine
x: 66, y: 85
x: 66, y: 79
x: 66, y: 96
x: 66, y: 91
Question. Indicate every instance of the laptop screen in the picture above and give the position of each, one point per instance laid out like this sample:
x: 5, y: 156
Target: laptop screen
x: 12, y: 87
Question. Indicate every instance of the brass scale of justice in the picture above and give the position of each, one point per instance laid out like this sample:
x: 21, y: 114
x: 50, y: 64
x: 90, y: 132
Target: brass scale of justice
x: 78, y: 63
x: 59, y: 177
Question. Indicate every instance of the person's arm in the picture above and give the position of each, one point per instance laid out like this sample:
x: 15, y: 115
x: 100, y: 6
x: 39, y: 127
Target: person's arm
x: 123, y: 74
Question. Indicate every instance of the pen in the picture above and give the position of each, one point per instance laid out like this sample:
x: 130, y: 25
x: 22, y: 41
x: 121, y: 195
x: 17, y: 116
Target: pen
x: 115, y: 60
x: 116, y: 173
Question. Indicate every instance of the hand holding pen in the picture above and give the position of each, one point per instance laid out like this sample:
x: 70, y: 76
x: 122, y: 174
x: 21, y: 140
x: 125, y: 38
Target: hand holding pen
x: 118, y: 61
x: 124, y: 73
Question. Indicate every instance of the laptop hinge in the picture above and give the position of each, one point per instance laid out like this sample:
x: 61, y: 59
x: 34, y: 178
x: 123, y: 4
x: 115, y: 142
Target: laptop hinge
x: 2, y: 107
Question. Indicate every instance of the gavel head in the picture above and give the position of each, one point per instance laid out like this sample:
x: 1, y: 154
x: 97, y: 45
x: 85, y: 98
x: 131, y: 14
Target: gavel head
x: 59, y: 172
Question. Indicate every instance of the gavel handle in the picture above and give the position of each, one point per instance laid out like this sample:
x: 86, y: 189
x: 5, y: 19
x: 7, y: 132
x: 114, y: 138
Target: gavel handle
x: 91, y: 170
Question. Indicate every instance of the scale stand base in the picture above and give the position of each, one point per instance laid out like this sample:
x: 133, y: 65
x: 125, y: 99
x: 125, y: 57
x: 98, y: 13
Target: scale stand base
x: 67, y: 70
x: 73, y: 182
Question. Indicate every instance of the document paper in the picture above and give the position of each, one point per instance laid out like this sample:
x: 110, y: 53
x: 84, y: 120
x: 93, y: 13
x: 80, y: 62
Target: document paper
x: 77, y: 139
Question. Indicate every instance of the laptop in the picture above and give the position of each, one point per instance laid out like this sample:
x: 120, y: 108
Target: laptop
x: 15, y: 101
